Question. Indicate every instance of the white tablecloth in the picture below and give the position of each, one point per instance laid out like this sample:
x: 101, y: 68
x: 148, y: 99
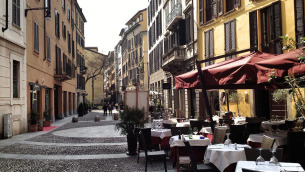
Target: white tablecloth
x: 280, y: 138
x: 196, y: 141
x: 161, y: 133
x: 239, y: 120
x: 267, y: 124
x: 183, y: 124
x: 266, y: 167
x: 156, y: 122
x: 222, y: 156
x: 209, y: 130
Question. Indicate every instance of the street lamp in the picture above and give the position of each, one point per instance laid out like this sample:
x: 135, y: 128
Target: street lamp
x: 47, y: 8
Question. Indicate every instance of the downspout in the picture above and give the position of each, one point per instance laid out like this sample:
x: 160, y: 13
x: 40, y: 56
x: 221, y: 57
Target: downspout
x: 44, y: 32
x: 6, y: 18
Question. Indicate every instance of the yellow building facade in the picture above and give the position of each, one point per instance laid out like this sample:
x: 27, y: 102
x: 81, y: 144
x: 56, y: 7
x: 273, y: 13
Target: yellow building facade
x: 228, y: 26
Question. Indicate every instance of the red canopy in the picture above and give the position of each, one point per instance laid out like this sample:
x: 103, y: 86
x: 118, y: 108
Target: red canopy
x: 238, y: 72
x: 280, y: 66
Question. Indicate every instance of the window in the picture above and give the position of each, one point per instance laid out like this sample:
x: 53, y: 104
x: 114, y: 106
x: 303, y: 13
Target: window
x: 141, y: 17
x: 64, y: 33
x: 299, y: 21
x: 253, y: 29
x: 201, y: 12
x: 16, y: 74
x: 230, y: 38
x: 16, y: 12
x: 189, y: 28
x: 271, y: 28
x: 69, y: 42
x: 68, y: 13
x: 57, y: 27
x: 211, y: 9
x: 36, y: 37
x: 63, y: 3
x: 209, y: 46
x: 48, y: 54
x: 58, y: 60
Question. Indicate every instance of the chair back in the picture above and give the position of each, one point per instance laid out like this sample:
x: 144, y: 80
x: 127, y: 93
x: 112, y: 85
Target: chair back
x: 253, y: 153
x: 295, y: 147
x: 228, y: 122
x: 168, y: 126
x: 143, y: 142
x: 219, y: 135
x: 267, y: 142
x: 238, y: 134
x: 197, y: 124
x: 183, y: 130
x: 147, y: 136
x: 191, y: 155
x: 253, y: 127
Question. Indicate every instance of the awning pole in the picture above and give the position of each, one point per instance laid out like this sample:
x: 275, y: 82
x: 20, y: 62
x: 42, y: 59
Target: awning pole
x: 205, y: 95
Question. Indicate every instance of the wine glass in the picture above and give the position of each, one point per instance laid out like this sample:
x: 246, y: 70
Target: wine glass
x: 273, y: 159
x: 260, y: 159
x: 228, y: 141
x: 195, y: 130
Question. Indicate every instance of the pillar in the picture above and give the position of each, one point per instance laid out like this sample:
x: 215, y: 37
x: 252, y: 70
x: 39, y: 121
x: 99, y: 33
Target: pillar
x: 52, y: 105
x: 60, y: 103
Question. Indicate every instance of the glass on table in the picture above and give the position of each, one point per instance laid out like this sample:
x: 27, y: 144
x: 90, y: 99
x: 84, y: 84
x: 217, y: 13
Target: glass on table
x: 227, y: 141
x: 260, y: 160
x: 273, y: 160
x: 195, y: 130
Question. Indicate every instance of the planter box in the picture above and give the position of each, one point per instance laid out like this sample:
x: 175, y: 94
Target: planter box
x: 33, y: 128
x: 47, y: 123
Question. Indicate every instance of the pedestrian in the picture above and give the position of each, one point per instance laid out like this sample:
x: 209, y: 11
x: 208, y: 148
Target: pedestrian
x: 110, y: 108
x: 151, y: 106
x: 116, y: 106
x: 105, y: 109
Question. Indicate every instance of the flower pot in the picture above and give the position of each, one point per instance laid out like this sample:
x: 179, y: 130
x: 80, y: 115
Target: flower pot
x: 115, y: 117
x: 132, y: 144
x: 46, y: 123
x: 33, y: 128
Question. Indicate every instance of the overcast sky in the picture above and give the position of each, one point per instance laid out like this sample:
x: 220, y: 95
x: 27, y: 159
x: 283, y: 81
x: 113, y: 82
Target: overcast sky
x: 105, y: 19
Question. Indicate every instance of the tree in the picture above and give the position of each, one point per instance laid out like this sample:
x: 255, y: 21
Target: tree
x: 95, y: 66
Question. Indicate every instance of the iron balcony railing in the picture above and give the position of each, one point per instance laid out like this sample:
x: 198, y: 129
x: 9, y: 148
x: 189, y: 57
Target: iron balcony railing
x: 176, y: 11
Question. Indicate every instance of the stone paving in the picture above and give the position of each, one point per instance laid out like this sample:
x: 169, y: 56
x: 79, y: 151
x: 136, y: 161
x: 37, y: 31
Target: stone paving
x: 83, y: 146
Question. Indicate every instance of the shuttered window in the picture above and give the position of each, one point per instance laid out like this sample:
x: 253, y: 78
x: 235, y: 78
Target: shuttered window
x: 209, y: 46
x: 58, y: 60
x: 299, y: 21
x: 201, y: 11
x: 231, y: 4
x: 253, y: 29
x: 69, y: 42
x: 16, y: 12
x: 63, y: 4
x: 220, y: 7
x: 48, y: 48
x: 230, y: 38
x: 57, y: 27
x: 36, y: 37
x: 188, y: 28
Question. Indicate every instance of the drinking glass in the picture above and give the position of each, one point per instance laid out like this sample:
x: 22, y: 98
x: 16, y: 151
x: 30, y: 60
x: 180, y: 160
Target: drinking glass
x: 195, y: 130
x: 228, y: 141
x: 273, y: 159
x: 260, y: 159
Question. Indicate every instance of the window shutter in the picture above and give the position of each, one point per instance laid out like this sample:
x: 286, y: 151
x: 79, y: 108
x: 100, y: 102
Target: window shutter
x: 233, y: 35
x: 206, y: 52
x: 201, y: 16
x: 277, y: 27
x: 299, y: 21
x: 211, y: 45
x: 253, y: 29
x: 236, y: 3
x: 220, y: 7
x: 214, y: 9
x: 227, y: 38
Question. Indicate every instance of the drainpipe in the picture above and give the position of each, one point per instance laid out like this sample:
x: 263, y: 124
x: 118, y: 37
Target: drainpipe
x: 6, y: 18
x: 44, y: 32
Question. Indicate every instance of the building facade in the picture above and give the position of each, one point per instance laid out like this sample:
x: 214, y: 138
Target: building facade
x: 52, y: 71
x: 172, y: 51
x: 118, y: 72
x: 134, y: 53
x: 229, y: 26
x: 13, y: 67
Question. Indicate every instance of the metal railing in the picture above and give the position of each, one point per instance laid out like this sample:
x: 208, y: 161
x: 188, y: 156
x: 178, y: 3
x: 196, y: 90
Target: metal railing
x: 176, y: 11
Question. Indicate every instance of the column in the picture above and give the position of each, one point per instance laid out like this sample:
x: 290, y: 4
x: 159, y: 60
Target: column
x: 52, y: 105
x: 60, y: 103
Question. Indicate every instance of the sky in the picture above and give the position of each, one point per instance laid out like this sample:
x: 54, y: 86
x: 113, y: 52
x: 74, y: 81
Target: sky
x: 105, y: 19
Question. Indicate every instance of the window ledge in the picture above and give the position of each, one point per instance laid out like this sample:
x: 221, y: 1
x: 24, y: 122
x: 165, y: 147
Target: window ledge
x: 16, y: 26
x: 230, y: 12
x: 209, y: 22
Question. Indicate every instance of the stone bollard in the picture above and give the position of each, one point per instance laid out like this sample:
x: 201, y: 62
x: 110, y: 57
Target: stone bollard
x: 97, y: 118
x: 75, y: 119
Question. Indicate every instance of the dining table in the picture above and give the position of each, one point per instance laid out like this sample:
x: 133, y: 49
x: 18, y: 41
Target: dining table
x: 160, y: 137
x: 265, y: 166
x: 267, y: 125
x: 222, y: 156
x: 208, y: 130
x: 280, y: 138
x: 158, y: 123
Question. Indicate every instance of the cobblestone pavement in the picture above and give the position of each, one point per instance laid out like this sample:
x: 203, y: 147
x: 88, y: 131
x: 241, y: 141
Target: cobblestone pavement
x: 45, y: 151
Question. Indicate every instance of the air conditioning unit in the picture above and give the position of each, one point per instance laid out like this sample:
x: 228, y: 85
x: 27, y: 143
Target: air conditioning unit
x: 7, y: 130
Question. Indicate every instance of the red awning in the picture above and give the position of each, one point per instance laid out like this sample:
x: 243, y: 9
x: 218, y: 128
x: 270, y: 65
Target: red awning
x: 239, y: 72
x: 281, y: 66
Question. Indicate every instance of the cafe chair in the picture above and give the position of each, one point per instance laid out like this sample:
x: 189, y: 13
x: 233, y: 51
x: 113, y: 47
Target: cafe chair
x: 147, y: 136
x: 253, y: 153
x: 249, y: 170
x: 197, y: 124
x: 155, y: 155
x: 238, y: 134
x: 219, y: 135
x: 168, y: 126
x: 183, y: 130
x: 267, y: 142
x: 201, y: 167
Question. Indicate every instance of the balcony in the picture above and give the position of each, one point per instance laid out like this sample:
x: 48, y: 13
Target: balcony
x: 82, y: 70
x: 174, y: 16
x: 174, y: 59
x: 63, y: 74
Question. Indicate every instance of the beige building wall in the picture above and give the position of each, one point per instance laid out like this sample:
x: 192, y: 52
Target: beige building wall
x: 13, y: 48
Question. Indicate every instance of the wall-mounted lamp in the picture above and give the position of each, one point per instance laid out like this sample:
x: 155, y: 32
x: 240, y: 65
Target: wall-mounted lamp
x: 246, y: 96
x: 47, y: 9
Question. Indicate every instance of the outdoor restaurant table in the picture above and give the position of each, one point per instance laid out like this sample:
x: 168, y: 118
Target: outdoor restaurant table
x: 183, y: 124
x: 156, y: 122
x: 280, y: 138
x: 209, y: 130
x: 266, y: 125
x: 266, y: 167
x: 238, y: 120
x: 161, y: 133
x: 223, y: 156
x: 196, y: 141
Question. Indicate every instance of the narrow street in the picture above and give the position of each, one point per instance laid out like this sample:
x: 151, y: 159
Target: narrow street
x: 82, y: 146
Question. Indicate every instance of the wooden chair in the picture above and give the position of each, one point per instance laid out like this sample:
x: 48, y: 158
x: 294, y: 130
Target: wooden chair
x: 238, y: 134
x: 183, y: 130
x: 194, y: 166
x: 267, y: 142
x: 219, y: 135
x: 253, y: 153
x: 157, y: 155
x: 147, y: 136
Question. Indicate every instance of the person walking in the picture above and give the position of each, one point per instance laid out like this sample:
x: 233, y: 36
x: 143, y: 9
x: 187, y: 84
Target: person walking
x: 116, y: 106
x: 105, y: 109
x: 110, y: 106
x: 151, y: 106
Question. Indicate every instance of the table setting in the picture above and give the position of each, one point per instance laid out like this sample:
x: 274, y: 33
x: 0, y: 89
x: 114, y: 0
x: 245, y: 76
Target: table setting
x: 279, y: 136
x: 267, y: 167
x: 267, y: 125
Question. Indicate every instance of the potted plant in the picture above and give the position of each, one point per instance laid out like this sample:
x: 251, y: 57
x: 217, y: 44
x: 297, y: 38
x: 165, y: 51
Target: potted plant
x: 281, y: 95
x: 236, y: 98
x: 130, y: 118
x: 47, y: 117
x: 80, y: 110
x: 33, y: 127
